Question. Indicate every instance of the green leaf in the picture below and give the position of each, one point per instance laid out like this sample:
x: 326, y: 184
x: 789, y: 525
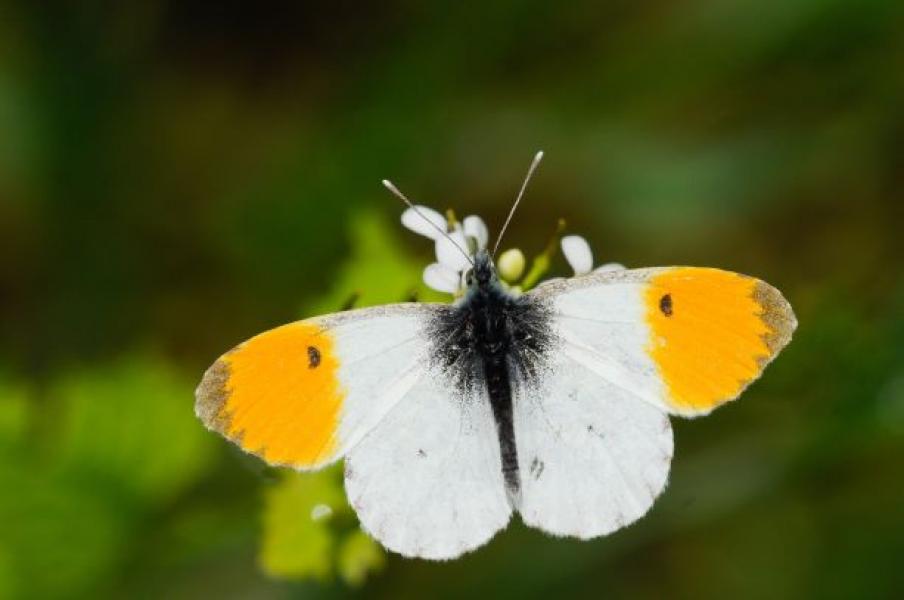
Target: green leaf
x: 59, y: 536
x: 15, y: 413
x: 543, y: 261
x: 358, y: 556
x: 378, y: 270
x: 296, y: 544
x: 131, y: 427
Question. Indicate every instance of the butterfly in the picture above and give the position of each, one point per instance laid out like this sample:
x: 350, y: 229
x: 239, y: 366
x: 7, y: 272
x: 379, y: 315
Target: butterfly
x: 553, y: 404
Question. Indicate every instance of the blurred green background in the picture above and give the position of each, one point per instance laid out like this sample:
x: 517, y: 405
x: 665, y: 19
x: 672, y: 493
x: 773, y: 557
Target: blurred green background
x: 178, y: 176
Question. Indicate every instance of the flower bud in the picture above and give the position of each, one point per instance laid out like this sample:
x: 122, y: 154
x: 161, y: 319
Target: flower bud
x: 511, y: 265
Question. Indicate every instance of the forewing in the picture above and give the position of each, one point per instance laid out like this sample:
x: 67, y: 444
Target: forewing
x: 682, y: 338
x: 427, y: 481
x: 302, y: 394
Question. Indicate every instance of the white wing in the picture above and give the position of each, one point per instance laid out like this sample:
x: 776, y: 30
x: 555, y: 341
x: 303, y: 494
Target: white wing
x: 427, y: 481
x: 591, y: 456
x: 423, y: 468
x: 592, y: 432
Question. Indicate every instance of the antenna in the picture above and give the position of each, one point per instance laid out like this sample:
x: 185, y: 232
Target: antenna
x: 533, y: 165
x: 392, y: 188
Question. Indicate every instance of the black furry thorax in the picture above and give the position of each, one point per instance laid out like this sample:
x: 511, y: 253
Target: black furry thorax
x: 490, y: 326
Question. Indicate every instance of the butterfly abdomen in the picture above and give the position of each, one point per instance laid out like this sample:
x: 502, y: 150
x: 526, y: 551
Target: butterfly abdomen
x: 499, y: 390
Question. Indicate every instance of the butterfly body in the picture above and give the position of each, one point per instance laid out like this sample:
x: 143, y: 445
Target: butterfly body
x: 488, y: 339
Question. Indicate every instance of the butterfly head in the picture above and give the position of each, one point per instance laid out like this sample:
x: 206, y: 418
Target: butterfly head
x: 483, y: 273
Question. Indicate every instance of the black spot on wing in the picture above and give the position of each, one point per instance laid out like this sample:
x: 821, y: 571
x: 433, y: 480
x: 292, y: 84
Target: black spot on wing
x: 665, y: 305
x: 536, y: 468
x: 313, y: 357
x: 593, y: 431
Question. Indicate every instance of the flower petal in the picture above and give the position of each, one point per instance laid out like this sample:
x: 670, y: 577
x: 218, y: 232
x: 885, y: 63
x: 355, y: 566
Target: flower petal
x: 477, y: 229
x: 609, y: 267
x: 441, y: 278
x: 419, y: 221
x: 448, y: 255
x: 577, y: 253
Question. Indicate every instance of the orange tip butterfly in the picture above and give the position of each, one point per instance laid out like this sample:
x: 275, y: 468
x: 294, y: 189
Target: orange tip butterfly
x: 554, y: 403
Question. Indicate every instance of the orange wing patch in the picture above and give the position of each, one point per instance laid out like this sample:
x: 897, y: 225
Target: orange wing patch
x: 277, y: 396
x: 713, y: 332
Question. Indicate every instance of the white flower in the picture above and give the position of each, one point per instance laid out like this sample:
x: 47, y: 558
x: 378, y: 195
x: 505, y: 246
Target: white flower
x: 580, y: 258
x: 609, y: 267
x: 424, y: 221
x: 577, y: 253
x: 456, y: 244
x: 441, y: 278
x: 452, y: 250
x: 449, y: 251
x: 475, y: 227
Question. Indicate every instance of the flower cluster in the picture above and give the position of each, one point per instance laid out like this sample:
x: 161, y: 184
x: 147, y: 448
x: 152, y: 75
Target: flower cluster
x: 471, y: 235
